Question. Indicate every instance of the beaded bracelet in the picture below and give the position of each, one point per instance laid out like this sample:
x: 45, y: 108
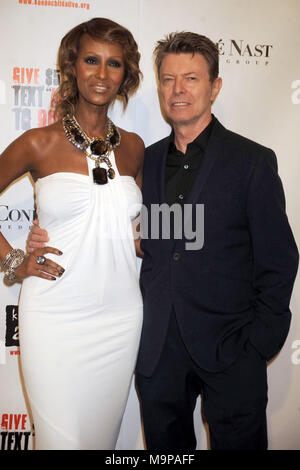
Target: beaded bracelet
x: 8, y: 257
x: 11, y: 262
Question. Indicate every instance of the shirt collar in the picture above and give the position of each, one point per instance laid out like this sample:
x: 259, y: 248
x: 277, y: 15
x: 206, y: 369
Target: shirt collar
x: 201, y: 140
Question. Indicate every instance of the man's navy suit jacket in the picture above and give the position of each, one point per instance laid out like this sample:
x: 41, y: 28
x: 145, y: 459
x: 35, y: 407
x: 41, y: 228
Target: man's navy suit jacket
x: 237, y: 287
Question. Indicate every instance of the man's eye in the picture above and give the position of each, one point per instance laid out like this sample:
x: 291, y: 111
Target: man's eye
x: 91, y: 60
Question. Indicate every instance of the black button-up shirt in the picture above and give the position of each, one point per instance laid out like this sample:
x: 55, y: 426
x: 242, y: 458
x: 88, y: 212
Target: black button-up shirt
x: 181, y: 168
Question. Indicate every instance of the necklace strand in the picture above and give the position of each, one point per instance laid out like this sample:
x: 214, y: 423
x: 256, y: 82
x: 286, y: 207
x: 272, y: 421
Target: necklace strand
x: 96, y: 148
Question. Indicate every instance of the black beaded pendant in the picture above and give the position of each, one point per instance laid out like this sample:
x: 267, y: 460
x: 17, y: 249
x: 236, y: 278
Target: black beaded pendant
x: 78, y: 137
x: 99, y: 147
x: 99, y: 175
x: 111, y: 173
x: 114, y: 138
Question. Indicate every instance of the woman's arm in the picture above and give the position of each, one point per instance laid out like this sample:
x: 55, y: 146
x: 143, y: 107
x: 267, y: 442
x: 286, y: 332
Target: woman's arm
x: 15, y: 161
x: 140, y: 151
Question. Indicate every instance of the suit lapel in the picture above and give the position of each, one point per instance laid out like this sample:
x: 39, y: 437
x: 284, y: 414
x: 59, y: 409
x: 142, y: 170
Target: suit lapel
x: 212, y: 153
x: 163, y: 151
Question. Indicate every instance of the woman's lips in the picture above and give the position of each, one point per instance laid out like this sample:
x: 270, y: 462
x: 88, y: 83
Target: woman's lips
x: 99, y: 88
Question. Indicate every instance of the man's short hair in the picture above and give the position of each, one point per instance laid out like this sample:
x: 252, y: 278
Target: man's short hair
x: 188, y: 43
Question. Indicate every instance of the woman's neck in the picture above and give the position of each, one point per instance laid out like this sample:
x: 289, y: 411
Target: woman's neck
x: 93, y: 121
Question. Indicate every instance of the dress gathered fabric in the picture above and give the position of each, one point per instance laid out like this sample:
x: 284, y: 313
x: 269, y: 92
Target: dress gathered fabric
x: 79, y: 334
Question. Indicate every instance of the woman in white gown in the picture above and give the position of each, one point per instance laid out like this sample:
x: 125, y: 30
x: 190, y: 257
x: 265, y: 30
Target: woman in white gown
x: 80, y: 320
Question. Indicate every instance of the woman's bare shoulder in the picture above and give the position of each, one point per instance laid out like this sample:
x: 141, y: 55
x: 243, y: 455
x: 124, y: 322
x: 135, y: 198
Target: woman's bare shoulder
x: 39, y: 138
x: 31, y: 143
x: 133, y: 141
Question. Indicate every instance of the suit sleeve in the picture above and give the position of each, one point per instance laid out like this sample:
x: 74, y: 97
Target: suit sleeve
x: 275, y: 257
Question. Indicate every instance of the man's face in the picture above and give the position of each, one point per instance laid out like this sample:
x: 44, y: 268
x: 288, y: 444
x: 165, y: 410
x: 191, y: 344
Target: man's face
x: 185, y: 88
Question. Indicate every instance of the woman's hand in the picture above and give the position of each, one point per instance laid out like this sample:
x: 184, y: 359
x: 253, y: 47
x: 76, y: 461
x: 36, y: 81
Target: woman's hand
x: 37, y: 237
x: 138, y: 250
x: 36, y: 247
x: 36, y: 264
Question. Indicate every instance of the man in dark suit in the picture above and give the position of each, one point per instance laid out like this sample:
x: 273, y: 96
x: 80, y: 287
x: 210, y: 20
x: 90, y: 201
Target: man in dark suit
x: 215, y: 313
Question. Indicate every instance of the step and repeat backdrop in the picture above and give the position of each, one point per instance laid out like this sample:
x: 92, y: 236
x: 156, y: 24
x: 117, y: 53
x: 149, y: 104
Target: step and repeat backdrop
x: 259, y: 46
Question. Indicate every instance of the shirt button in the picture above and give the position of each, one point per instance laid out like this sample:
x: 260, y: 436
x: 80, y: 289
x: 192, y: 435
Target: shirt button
x: 176, y: 256
x: 186, y: 166
x: 181, y: 196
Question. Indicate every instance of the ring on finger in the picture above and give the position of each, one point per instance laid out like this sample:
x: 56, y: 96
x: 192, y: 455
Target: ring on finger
x: 40, y: 259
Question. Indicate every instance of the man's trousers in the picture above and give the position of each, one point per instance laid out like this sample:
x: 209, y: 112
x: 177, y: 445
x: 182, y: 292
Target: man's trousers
x: 234, y: 401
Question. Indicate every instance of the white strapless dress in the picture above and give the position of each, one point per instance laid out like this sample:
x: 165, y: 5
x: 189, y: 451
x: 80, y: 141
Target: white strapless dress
x: 79, y: 334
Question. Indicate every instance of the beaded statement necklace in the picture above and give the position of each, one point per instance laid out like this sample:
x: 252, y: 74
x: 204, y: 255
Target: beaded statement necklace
x: 95, y: 148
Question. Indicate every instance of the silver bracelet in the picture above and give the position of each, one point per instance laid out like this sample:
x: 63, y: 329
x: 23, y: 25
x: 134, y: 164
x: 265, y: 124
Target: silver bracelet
x: 9, y: 257
x: 11, y: 262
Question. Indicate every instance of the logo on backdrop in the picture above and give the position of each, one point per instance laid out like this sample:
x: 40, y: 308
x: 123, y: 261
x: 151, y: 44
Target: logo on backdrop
x: 12, y: 326
x: 14, y: 433
x: 33, y: 91
x: 241, y: 51
x: 55, y: 3
x: 14, y: 218
x: 11, y: 334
